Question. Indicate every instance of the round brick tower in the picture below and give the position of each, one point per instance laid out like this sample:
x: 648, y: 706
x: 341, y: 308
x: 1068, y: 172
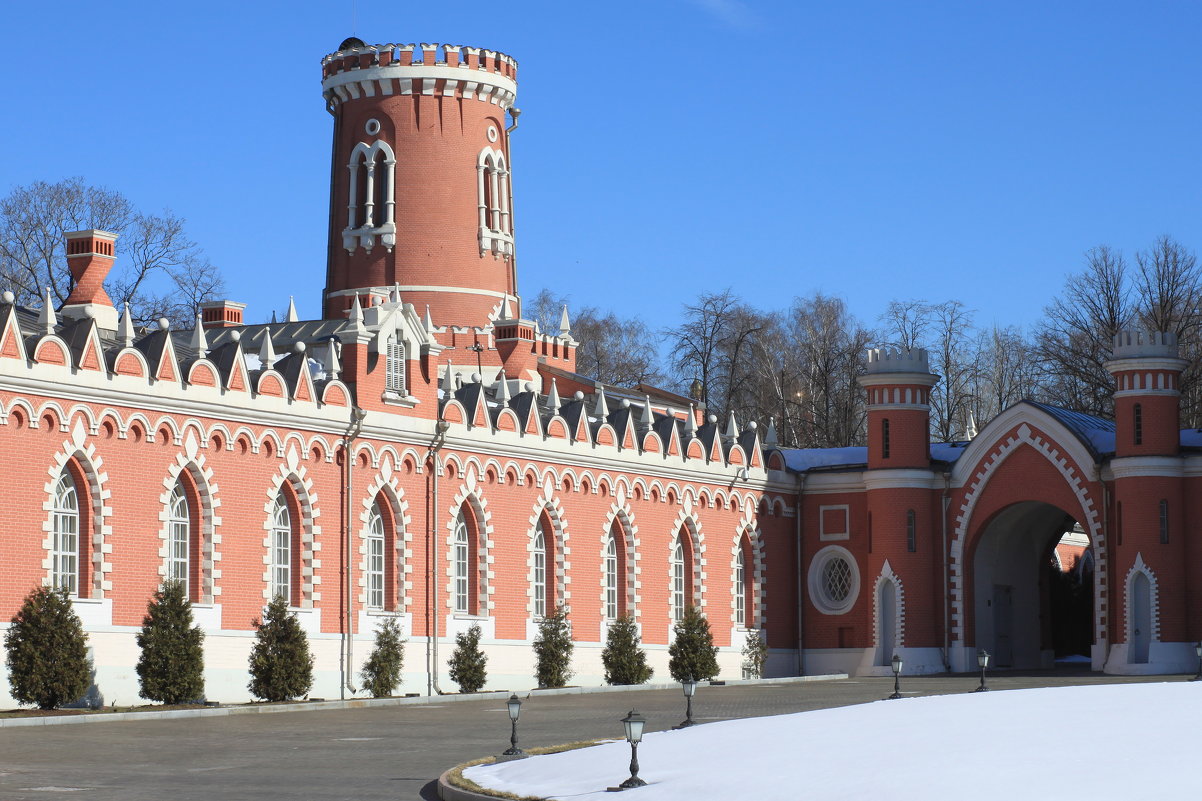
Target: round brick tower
x: 420, y: 193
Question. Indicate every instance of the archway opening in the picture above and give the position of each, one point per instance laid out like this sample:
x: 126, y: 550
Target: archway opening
x: 1033, y: 588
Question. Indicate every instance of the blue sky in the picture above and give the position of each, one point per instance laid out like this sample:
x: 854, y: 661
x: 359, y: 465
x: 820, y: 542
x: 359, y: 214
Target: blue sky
x: 871, y: 151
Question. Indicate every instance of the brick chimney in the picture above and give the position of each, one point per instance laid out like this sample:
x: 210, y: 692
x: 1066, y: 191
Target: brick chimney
x: 221, y: 314
x: 90, y: 256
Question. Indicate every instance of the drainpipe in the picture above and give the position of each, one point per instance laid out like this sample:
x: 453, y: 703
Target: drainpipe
x: 1097, y: 574
x: 946, y: 501
x: 440, y: 436
x: 348, y: 636
x: 801, y: 582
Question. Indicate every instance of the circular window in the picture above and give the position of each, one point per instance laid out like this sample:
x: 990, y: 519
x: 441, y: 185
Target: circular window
x: 372, y: 127
x: 492, y: 133
x: 834, y: 580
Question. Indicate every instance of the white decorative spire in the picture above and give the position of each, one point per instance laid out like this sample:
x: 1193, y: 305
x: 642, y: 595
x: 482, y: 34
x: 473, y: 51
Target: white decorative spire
x: 732, y: 429
x: 970, y: 432
x: 332, y: 366
x: 553, y: 402
x: 690, y: 422
x: 602, y: 408
x: 47, y: 318
x: 448, y: 381
x: 125, y: 329
x: 770, y: 438
x: 427, y: 322
x: 356, y: 316
x: 502, y: 389
x: 565, y: 325
x: 292, y: 315
x: 648, y: 417
x: 267, y: 352
x: 506, y: 310
x: 198, y: 342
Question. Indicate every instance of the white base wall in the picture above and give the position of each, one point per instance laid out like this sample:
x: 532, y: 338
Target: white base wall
x: 1163, y: 657
x: 859, y: 661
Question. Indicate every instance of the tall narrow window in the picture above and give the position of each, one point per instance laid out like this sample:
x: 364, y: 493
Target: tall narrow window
x: 1138, y: 420
x: 65, y: 525
x: 371, y: 197
x: 375, y: 575
x: 394, y: 366
x: 612, y: 607
x: 1164, y: 522
x: 180, y: 531
x: 492, y: 176
x: 740, y: 589
x: 540, y: 572
x: 678, y: 583
x: 885, y: 438
x: 281, y: 550
x: 911, y: 531
x: 461, y: 559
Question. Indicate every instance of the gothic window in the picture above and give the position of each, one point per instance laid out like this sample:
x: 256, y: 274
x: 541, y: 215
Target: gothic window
x: 540, y: 572
x: 179, y: 547
x: 394, y: 366
x: 911, y: 531
x: 376, y: 572
x: 678, y: 580
x: 465, y: 565
x: 371, y: 205
x: 496, y: 232
x: 281, y: 549
x: 613, y: 607
x: 65, y: 529
x: 740, y: 589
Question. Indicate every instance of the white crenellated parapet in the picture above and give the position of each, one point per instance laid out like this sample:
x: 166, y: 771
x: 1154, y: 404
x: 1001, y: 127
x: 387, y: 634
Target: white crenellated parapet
x: 900, y: 360
x: 1141, y: 344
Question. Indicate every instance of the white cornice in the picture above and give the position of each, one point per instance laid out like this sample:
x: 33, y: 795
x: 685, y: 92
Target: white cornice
x: 500, y: 88
x: 1144, y: 466
x: 1143, y: 364
x: 901, y: 478
x: 897, y: 379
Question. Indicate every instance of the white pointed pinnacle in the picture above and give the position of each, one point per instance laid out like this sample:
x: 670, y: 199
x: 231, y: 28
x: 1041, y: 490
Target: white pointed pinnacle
x: 648, y: 416
x: 506, y: 310
x: 332, y: 365
x: 47, y: 318
x: 125, y: 329
x: 502, y: 388
x: 565, y: 325
x: 427, y: 322
x: 198, y: 342
x: 690, y: 421
x: 292, y: 316
x: 602, y: 408
x: 448, y: 381
x: 356, y: 315
x: 732, y: 428
x: 267, y: 352
x: 770, y: 437
x: 553, y: 402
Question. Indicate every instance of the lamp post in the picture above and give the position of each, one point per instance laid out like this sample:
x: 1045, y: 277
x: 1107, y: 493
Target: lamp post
x: 897, y: 667
x: 690, y: 689
x: 514, y: 704
x: 983, y: 662
x: 633, y: 723
x: 1198, y: 651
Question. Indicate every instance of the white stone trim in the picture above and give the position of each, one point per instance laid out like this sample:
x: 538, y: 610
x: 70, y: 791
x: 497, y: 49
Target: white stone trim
x: 823, y: 534
x: 297, y: 476
x: 620, y: 511
x: 469, y: 492
x: 1141, y: 567
x: 817, y: 591
x: 686, y: 521
x: 194, y: 462
x: 549, y: 504
x: 755, y: 574
x: 92, y: 466
x: 385, y: 483
x: 899, y: 623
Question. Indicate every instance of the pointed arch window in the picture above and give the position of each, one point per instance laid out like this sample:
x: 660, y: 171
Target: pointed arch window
x: 281, y: 549
x: 540, y: 571
x: 465, y: 565
x: 66, y: 541
x: 613, y: 607
x: 492, y: 178
x: 678, y: 580
x: 376, y: 573
x: 740, y: 589
x: 179, y: 547
x: 371, y: 201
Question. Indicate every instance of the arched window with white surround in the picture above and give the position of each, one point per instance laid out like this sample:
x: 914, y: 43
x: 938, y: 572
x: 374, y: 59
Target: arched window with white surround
x: 462, y: 559
x: 540, y: 572
x: 492, y: 180
x: 376, y: 573
x: 179, y: 548
x: 371, y: 201
x: 281, y: 550
x: 612, y: 576
x: 740, y: 589
x: 65, y: 531
x: 678, y: 580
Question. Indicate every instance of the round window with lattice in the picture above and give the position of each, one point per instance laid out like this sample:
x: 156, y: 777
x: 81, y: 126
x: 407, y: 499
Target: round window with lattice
x: 834, y: 580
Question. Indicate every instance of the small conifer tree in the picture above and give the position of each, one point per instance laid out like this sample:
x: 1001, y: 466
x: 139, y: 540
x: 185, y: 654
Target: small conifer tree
x: 280, y: 665
x: 623, y: 660
x: 692, y: 652
x: 755, y: 654
x: 468, y: 663
x: 553, y: 650
x: 48, y: 663
x: 382, y: 671
x: 171, y: 667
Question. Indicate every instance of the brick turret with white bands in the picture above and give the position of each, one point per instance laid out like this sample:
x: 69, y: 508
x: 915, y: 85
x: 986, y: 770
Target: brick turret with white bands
x: 1147, y: 376
x: 421, y: 199
x: 898, y: 383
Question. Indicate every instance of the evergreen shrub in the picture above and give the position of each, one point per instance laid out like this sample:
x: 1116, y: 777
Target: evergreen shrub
x: 281, y: 668
x: 755, y: 654
x: 623, y: 660
x: 692, y: 652
x: 381, y: 672
x: 468, y: 663
x: 553, y: 650
x: 48, y: 663
x: 171, y: 666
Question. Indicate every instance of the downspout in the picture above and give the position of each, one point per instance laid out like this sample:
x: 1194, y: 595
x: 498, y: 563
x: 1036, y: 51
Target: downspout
x: 946, y: 502
x: 440, y: 436
x: 1097, y: 596
x: 348, y: 635
x: 801, y: 582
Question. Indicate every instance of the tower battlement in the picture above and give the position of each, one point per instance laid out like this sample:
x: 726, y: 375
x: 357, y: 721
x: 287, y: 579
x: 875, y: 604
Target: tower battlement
x: 362, y: 70
x: 1137, y: 344
x: 898, y: 360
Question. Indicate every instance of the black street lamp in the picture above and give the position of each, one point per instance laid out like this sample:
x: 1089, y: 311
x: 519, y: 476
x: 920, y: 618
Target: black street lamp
x: 1198, y: 650
x: 514, y: 704
x: 983, y: 662
x: 897, y: 666
x: 633, y: 723
x: 690, y: 689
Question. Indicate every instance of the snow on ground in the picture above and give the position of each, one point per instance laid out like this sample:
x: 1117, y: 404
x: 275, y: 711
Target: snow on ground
x: 1102, y: 742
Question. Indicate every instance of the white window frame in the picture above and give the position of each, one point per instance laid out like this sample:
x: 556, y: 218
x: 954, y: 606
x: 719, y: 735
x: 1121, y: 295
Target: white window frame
x: 845, y: 533
x: 740, y: 588
x: 179, y: 546
x: 65, y: 519
x: 281, y: 550
x: 492, y: 184
x: 678, y: 580
x: 364, y: 226
x: 817, y: 581
x: 376, y: 571
x: 394, y: 366
x: 540, y: 572
x: 611, y: 578
x: 461, y: 557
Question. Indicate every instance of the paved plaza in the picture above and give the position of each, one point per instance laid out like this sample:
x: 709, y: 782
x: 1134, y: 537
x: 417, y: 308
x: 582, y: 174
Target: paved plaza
x: 393, y: 752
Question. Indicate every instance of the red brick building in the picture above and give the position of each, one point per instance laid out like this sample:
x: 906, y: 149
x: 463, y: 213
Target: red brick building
x: 428, y: 453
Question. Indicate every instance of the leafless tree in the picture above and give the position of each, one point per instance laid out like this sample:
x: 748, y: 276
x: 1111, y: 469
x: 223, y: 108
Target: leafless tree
x: 697, y: 344
x: 905, y: 323
x: 160, y: 272
x: 1005, y: 372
